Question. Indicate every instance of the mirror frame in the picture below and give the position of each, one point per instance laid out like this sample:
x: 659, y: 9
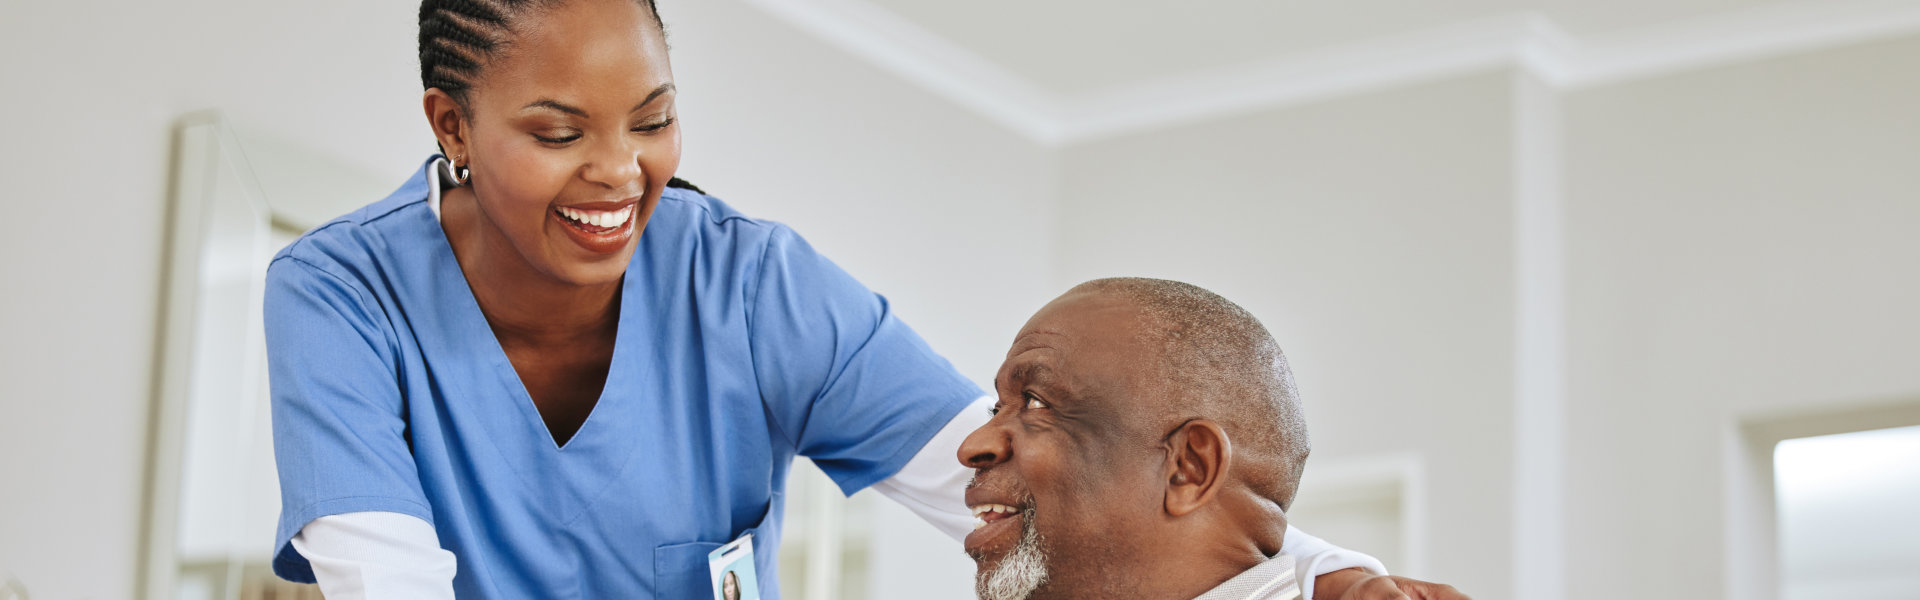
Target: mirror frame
x: 203, y: 144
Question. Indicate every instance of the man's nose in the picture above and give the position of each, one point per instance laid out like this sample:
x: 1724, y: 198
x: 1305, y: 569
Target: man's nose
x: 987, y: 446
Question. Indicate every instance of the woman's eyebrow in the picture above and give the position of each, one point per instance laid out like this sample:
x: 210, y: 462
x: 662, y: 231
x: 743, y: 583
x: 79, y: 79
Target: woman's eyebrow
x: 551, y: 104
x: 664, y: 88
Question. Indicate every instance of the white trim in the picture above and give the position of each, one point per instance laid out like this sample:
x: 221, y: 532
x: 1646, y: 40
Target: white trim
x: 1527, y: 41
x: 436, y: 172
x: 898, y: 46
x: 1540, y: 343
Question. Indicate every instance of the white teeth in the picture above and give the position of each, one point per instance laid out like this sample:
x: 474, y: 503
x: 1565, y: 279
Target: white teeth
x: 993, y: 508
x: 983, y: 509
x: 597, y: 218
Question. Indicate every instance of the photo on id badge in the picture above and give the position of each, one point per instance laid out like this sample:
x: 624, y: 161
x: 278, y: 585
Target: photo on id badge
x: 732, y: 569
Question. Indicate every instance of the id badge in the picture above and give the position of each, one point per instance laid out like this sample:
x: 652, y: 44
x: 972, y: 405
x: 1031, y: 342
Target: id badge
x: 732, y: 570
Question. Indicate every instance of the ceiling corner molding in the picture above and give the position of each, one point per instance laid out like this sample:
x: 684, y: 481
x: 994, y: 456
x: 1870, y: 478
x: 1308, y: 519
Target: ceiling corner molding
x: 910, y: 52
x: 1527, y: 41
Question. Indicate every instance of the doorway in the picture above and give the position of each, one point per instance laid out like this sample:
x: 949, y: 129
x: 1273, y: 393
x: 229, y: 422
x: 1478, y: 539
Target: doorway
x: 1846, y: 511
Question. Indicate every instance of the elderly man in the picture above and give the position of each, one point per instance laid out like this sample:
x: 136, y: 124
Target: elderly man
x: 1146, y: 443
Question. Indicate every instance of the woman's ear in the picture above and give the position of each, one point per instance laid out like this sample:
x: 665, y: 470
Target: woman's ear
x: 449, y: 122
x: 1199, y: 455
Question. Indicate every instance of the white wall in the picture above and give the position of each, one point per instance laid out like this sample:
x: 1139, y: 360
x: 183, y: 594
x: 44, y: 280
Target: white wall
x: 923, y: 201
x: 1740, y: 243
x: 940, y: 210
x: 92, y: 91
x: 1743, y: 242
x: 1373, y: 236
x: 946, y: 214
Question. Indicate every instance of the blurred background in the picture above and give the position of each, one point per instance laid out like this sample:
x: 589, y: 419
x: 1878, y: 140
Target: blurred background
x: 1587, y: 299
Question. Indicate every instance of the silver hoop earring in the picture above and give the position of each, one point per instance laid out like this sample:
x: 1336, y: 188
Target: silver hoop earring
x: 460, y: 175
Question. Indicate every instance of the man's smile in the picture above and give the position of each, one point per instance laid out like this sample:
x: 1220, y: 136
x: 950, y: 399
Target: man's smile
x: 1000, y: 518
x: 989, y: 513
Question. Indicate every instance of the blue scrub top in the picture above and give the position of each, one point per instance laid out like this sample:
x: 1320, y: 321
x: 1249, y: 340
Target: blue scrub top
x: 738, y: 348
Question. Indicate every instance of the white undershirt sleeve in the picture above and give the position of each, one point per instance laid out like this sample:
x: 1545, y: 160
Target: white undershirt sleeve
x: 376, y: 556
x: 934, y: 485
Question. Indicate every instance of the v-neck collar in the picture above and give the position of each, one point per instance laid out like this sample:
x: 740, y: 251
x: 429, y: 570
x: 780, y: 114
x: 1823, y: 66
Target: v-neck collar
x: 481, y: 396
x: 467, y: 317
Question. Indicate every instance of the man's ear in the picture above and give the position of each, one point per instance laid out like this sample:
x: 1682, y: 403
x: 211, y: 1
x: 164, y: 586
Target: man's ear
x: 449, y: 122
x: 1198, y: 457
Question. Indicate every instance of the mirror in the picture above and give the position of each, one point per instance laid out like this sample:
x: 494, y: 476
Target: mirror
x: 206, y: 492
x: 213, y: 496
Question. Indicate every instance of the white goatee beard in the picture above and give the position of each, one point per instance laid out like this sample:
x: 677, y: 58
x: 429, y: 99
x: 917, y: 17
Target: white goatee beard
x: 1021, y: 572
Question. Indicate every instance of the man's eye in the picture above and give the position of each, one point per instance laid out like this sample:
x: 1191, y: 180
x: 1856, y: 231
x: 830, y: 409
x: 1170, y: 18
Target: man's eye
x: 1035, y: 402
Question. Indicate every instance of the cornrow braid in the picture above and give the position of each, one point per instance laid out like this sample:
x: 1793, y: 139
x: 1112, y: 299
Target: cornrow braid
x: 457, y: 37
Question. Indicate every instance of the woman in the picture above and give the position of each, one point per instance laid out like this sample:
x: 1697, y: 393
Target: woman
x: 730, y: 586
x: 492, y: 383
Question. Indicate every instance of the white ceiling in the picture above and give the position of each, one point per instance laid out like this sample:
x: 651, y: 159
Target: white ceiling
x: 1074, y: 46
x: 1061, y: 71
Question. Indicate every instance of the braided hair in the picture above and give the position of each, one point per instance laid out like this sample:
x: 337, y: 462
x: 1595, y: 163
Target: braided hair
x: 458, y: 37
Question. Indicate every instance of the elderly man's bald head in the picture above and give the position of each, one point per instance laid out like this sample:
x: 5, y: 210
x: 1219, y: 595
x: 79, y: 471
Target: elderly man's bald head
x: 1218, y: 362
x: 1145, y: 443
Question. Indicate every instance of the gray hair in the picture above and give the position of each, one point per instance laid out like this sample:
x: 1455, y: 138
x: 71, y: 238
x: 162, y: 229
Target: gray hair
x: 1220, y: 363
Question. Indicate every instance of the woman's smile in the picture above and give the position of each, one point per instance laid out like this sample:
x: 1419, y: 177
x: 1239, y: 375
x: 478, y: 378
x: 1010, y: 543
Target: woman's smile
x: 600, y: 227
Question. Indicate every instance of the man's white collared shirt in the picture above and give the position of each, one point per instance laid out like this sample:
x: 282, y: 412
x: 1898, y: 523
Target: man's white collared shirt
x: 1272, y: 579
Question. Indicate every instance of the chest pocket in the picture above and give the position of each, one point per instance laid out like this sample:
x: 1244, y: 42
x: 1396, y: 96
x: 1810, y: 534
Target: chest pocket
x: 680, y: 571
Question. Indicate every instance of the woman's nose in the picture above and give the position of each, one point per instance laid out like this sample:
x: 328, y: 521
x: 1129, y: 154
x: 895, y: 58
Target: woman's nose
x: 615, y: 164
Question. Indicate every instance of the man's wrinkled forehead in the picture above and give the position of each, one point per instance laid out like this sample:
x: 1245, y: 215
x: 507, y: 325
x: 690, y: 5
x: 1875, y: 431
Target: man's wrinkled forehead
x: 1036, y: 354
x: 1081, y: 336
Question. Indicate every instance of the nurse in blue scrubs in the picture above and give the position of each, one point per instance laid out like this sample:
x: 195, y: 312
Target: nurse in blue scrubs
x: 492, y: 383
